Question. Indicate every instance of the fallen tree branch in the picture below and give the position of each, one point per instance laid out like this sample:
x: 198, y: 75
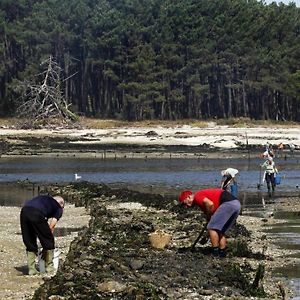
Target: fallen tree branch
x: 44, y: 102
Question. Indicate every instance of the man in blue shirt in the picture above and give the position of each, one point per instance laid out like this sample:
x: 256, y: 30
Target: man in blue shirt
x: 34, y: 225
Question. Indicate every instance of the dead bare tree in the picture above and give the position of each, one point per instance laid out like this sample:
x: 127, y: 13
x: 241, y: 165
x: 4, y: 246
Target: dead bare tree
x: 43, y: 103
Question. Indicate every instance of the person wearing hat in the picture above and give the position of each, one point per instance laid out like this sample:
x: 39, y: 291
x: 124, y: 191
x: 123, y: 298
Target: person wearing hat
x: 221, y: 209
x: 228, y: 177
x: 34, y: 225
x: 270, y: 170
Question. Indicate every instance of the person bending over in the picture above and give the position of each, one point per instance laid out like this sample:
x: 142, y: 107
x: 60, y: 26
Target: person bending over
x: 221, y: 209
x: 34, y: 225
x: 228, y: 177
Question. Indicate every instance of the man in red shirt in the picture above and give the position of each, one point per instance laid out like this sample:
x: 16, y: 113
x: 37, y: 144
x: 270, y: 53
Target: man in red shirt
x: 221, y: 209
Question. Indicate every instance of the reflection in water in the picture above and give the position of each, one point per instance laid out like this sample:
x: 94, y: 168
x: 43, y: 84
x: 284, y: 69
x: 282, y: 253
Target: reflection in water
x: 166, y: 176
x: 292, y: 275
x: 287, y: 235
x: 179, y: 172
x: 13, y: 194
x: 290, y: 215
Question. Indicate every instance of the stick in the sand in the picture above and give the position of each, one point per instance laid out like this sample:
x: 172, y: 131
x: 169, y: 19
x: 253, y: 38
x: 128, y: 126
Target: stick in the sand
x: 259, y: 183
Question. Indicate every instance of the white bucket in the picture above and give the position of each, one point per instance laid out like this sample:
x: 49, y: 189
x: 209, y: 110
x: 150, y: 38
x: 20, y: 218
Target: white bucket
x: 41, y: 261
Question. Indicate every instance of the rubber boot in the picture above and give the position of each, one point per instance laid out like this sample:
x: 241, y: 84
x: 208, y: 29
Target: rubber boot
x: 222, y: 253
x: 49, y: 262
x: 215, y: 251
x: 269, y: 192
x: 31, y: 263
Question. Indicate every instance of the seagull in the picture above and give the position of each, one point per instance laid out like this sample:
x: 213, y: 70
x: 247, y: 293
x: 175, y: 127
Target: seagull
x: 77, y: 177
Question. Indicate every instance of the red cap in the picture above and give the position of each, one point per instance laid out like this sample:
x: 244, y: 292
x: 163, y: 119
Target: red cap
x: 183, y: 195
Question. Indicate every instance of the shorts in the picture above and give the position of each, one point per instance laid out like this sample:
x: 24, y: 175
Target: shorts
x: 225, y: 216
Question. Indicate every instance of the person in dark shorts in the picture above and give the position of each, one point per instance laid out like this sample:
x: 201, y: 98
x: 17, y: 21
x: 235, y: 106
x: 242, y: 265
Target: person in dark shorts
x: 221, y: 209
x: 34, y: 225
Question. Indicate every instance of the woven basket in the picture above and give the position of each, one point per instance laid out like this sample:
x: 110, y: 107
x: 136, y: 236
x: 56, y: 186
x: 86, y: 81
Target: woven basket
x: 159, y: 239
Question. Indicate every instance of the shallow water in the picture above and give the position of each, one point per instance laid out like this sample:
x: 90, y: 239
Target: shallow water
x: 286, y: 235
x: 171, y: 175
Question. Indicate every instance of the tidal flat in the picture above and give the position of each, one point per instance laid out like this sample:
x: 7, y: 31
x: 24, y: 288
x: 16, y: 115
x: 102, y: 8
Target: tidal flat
x: 112, y: 258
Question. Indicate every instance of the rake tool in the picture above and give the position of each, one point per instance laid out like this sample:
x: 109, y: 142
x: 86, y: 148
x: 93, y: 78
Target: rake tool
x: 201, y: 235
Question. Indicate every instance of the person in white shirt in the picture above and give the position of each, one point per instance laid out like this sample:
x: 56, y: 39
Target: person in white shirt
x: 228, y: 177
x: 270, y: 171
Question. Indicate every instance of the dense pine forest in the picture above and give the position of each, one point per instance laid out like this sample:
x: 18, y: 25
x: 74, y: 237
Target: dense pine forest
x: 156, y: 59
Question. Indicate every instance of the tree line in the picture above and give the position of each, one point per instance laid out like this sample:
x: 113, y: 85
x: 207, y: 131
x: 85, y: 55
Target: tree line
x: 156, y: 59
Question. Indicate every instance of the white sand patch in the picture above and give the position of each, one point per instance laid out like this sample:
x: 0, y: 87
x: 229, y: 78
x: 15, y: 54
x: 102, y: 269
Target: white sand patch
x: 213, y: 135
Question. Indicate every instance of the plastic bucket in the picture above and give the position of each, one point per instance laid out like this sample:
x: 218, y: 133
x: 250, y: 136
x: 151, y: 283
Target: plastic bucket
x: 41, y: 261
x: 234, y: 190
x: 277, y: 179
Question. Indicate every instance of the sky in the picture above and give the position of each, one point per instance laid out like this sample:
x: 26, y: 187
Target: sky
x: 284, y: 1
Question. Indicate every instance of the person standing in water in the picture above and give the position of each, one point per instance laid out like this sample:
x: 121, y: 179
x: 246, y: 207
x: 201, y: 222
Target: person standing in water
x: 229, y: 179
x: 270, y: 171
x: 280, y: 149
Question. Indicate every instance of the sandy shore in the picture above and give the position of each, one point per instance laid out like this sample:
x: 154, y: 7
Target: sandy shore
x: 14, y: 285
x: 216, y: 136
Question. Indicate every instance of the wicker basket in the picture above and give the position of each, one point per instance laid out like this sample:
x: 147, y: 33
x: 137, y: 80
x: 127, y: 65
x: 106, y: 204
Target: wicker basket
x: 159, y: 239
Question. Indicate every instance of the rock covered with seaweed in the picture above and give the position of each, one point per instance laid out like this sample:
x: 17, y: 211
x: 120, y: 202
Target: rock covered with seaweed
x: 113, y: 257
